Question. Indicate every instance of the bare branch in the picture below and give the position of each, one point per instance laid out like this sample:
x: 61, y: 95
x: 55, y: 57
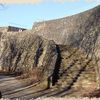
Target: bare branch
x: 2, y: 6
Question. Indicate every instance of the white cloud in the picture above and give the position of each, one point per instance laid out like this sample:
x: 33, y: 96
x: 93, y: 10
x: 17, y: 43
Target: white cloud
x: 39, y: 1
x: 63, y: 1
x: 92, y: 0
x: 21, y: 1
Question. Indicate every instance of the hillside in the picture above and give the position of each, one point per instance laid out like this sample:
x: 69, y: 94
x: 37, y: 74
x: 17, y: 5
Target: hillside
x: 82, y: 30
x: 56, y: 58
x: 73, y: 75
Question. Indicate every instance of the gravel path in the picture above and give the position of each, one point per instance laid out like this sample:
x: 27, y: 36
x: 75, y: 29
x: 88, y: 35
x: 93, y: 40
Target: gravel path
x: 13, y: 88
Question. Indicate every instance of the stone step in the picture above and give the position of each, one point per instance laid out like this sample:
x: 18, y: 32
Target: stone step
x: 70, y: 76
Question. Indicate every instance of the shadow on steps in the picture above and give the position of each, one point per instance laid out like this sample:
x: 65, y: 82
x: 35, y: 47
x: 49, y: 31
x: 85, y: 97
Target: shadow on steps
x: 74, y: 80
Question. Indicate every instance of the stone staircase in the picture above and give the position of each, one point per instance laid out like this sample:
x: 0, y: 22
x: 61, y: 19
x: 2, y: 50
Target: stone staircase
x: 69, y: 76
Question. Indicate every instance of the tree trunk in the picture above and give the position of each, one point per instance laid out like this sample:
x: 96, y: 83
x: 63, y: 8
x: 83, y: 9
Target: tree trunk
x: 97, y: 69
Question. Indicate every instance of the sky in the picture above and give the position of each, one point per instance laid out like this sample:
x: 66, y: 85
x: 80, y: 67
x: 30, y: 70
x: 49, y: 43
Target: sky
x: 25, y: 13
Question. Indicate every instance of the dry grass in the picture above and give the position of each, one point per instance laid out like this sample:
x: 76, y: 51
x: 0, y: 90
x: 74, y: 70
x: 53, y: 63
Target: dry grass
x: 67, y: 98
x: 54, y: 98
x: 34, y: 74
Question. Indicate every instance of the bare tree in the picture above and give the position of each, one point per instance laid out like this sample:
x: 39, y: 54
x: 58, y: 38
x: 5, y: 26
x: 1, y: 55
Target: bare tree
x: 2, y: 6
x: 91, y: 50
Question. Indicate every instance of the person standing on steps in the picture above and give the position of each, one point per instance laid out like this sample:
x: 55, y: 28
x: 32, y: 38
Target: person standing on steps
x: 53, y: 68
